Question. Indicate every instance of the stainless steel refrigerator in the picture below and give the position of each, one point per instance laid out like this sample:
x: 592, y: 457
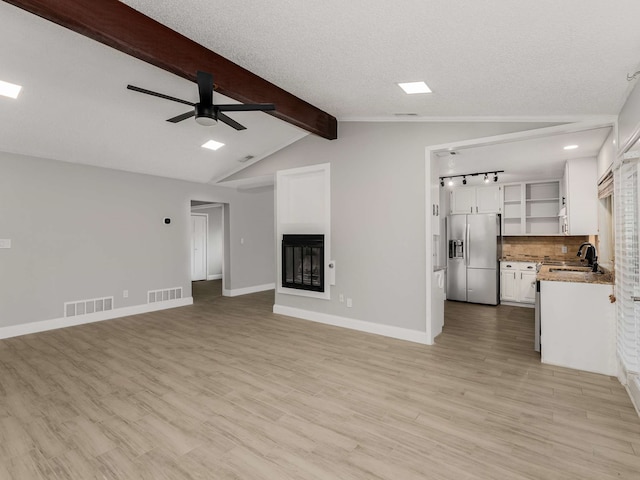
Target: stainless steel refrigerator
x: 474, y: 249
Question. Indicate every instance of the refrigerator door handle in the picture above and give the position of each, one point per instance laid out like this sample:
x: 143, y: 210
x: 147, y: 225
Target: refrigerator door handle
x: 467, y: 252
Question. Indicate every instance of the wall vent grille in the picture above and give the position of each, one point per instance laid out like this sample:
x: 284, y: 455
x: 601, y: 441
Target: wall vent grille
x: 165, y: 295
x: 85, y: 307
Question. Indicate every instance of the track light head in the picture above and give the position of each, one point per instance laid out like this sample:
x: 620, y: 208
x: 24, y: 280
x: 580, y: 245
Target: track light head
x: 464, y: 180
x: 442, y: 182
x: 486, y: 178
x: 495, y: 177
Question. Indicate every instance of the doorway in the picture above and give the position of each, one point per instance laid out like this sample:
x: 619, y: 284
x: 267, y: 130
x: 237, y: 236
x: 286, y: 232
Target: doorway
x: 467, y: 161
x: 209, y: 257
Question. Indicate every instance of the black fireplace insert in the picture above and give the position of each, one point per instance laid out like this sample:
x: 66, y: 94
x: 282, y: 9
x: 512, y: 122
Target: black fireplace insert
x: 303, y: 262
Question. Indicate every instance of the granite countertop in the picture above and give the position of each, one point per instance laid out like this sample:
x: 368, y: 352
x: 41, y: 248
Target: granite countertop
x: 545, y: 274
x: 521, y: 258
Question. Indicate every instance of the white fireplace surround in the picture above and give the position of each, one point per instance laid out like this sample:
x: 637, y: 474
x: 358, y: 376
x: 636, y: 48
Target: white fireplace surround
x: 303, y: 206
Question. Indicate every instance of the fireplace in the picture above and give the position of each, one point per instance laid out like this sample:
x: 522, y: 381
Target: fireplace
x: 303, y: 262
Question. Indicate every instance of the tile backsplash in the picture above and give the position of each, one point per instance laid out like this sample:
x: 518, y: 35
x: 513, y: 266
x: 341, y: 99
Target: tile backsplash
x: 539, y: 248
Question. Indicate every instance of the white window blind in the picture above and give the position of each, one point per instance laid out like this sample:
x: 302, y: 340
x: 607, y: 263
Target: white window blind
x: 626, y: 254
x: 605, y: 187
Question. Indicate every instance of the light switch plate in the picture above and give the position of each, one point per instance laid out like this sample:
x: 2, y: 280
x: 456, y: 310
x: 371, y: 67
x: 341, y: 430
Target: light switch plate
x: 5, y: 243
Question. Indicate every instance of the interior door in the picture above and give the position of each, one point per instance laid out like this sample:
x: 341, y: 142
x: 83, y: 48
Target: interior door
x: 198, y: 247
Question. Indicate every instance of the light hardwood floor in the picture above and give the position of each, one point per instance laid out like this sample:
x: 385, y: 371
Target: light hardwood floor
x: 224, y: 389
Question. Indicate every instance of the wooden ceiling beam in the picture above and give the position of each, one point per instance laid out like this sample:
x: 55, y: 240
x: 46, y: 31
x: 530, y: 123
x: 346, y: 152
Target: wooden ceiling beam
x: 117, y: 25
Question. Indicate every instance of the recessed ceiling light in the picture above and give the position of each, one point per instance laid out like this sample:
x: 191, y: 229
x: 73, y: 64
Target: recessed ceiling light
x: 9, y: 89
x: 414, y: 87
x: 571, y: 147
x: 213, y: 145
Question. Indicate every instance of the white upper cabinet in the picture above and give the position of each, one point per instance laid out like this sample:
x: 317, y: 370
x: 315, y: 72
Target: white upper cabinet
x: 435, y: 210
x: 475, y: 200
x: 488, y: 199
x: 581, y: 197
x: 463, y: 200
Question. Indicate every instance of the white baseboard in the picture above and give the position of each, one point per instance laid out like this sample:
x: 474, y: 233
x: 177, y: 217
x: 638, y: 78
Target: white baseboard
x: 244, y: 291
x: 44, y: 325
x: 633, y: 387
x: 217, y: 276
x: 631, y: 383
x: 360, y: 325
x: 517, y: 304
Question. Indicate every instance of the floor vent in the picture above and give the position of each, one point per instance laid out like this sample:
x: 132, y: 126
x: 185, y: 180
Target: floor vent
x: 84, y: 307
x: 164, y: 295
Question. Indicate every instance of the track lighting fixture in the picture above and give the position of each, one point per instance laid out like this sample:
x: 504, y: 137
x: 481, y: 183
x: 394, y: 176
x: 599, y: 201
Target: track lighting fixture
x: 465, y: 175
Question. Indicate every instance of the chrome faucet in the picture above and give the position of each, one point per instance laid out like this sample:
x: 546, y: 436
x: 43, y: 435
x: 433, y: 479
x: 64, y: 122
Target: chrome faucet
x: 590, y: 255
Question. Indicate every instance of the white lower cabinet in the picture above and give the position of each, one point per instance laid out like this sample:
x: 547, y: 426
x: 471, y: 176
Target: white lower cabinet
x: 527, y: 292
x: 518, y: 282
x: 508, y: 286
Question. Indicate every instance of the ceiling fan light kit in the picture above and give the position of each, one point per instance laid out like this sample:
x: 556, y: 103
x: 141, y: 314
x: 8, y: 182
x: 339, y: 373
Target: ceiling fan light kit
x: 205, y: 111
x: 205, y: 115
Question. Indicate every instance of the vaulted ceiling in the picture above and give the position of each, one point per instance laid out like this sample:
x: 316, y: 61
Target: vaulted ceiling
x: 494, y: 59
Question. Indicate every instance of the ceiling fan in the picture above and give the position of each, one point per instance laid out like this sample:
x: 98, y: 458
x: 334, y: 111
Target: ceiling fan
x: 205, y: 111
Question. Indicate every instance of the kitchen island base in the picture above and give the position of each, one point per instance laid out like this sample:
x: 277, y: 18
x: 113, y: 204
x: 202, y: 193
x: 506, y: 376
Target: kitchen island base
x: 578, y: 326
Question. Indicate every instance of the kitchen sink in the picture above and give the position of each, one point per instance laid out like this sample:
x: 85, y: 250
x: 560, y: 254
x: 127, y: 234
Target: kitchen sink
x: 570, y: 269
x: 563, y: 263
x: 574, y: 270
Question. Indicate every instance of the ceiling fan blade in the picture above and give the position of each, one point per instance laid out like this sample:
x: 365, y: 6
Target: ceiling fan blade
x: 156, y: 94
x: 231, y: 122
x: 246, y: 107
x: 205, y: 88
x: 182, y: 117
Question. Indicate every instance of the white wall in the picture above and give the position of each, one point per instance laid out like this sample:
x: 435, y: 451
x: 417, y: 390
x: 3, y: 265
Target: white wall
x: 606, y: 158
x: 629, y: 118
x: 607, y: 155
x: 81, y: 232
x: 377, y: 214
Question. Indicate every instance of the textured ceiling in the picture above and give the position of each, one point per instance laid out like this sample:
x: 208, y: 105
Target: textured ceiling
x: 531, y: 159
x: 499, y: 59
x: 481, y: 58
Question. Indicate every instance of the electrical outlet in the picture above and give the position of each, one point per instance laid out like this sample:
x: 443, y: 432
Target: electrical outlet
x: 5, y: 243
x: 349, y: 303
x: 341, y: 297
x: 125, y: 294
x: 564, y: 249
